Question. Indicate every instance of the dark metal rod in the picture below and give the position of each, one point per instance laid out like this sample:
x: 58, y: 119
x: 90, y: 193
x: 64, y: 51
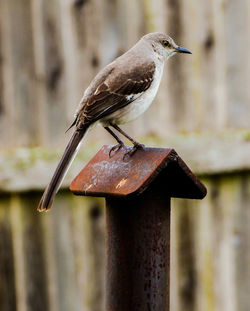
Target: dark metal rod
x: 138, y: 253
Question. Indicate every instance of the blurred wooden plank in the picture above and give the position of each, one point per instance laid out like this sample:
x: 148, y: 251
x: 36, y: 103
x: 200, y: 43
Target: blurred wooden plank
x: 204, y: 244
x: 20, y: 168
x: 17, y: 238
x: 188, y: 104
x: 49, y: 62
x: 7, y: 68
x: 20, y: 73
x: 241, y: 238
x: 238, y: 63
x: 62, y: 239
x: 220, y: 64
x: 224, y: 247
x: 174, y: 67
x: 206, y: 33
x: 2, y: 108
x: 34, y: 260
x: 88, y: 222
x: 7, y: 274
x: 113, y: 33
x: 29, y: 255
x: 50, y: 259
x: 39, y: 46
x: 186, y: 275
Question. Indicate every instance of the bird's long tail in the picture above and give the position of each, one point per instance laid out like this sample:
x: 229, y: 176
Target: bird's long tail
x: 61, y: 170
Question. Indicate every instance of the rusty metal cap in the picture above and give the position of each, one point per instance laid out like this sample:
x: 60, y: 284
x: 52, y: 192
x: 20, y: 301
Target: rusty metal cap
x: 114, y: 176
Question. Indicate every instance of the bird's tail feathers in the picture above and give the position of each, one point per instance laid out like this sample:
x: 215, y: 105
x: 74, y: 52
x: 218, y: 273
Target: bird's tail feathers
x: 61, y: 170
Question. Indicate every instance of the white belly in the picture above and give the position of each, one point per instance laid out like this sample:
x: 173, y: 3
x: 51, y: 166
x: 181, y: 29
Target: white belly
x: 138, y: 106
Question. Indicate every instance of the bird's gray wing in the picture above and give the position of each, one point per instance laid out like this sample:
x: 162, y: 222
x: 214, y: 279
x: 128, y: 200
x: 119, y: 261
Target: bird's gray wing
x: 118, y: 90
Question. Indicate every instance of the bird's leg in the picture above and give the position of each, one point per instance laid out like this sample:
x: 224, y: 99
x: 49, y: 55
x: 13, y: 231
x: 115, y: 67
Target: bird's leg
x: 117, y: 147
x: 134, y: 142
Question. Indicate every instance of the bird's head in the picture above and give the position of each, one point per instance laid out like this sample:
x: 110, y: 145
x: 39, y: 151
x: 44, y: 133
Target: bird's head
x: 164, y: 45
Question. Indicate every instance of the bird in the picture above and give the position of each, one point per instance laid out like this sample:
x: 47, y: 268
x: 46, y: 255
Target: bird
x: 119, y: 93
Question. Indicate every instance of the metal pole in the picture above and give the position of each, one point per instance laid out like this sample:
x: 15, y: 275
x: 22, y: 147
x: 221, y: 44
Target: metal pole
x: 138, y: 253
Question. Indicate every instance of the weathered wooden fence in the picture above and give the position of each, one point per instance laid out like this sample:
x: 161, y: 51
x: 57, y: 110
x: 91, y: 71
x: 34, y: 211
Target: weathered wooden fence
x: 49, y: 51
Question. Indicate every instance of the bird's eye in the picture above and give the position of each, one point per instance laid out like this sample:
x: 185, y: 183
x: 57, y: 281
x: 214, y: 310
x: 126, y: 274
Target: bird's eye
x: 166, y: 43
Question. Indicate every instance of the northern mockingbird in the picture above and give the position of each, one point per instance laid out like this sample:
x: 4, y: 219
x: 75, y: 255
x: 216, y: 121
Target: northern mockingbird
x: 120, y: 93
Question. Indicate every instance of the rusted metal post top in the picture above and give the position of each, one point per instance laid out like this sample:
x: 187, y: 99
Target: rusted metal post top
x: 115, y: 176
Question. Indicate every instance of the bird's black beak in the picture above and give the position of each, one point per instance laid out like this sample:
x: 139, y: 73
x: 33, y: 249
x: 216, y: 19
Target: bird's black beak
x: 182, y: 50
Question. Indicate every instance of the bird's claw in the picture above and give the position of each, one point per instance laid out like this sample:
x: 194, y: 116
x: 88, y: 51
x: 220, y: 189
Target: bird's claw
x: 115, y: 149
x: 133, y: 150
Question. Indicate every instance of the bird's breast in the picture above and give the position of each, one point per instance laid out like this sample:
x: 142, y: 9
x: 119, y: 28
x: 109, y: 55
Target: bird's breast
x: 137, y: 107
